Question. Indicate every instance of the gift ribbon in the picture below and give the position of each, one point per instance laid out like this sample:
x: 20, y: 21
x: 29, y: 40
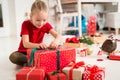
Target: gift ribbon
x: 35, y: 49
x: 27, y: 78
x: 55, y: 73
x: 58, y: 59
x: 31, y: 69
x: 76, y: 65
x: 31, y: 56
x: 94, y: 69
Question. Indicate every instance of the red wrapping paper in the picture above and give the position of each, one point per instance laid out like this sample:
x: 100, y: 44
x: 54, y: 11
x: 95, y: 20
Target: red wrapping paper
x: 94, y: 73
x: 30, y: 73
x: 114, y: 57
x: 56, y: 76
x: 47, y: 58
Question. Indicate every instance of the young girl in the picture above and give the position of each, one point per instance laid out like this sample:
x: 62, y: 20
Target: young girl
x: 33, y: 31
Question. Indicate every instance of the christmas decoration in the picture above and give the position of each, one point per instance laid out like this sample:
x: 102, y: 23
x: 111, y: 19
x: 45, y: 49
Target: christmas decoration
x: 91, y: 25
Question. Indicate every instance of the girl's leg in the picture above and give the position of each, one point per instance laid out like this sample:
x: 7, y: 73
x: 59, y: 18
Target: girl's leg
x: 18, y: 58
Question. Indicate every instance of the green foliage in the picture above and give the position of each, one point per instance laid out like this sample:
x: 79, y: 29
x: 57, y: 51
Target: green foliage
x: 86, y: 40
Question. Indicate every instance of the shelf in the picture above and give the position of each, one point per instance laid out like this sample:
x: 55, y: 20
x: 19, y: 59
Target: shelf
x: 79, y: 12
x: 70, y: 14
x: 68, y: 1
x: 88, y: 1
x: 80, y: 2
x: 99, y: 1
x: 70, y: 28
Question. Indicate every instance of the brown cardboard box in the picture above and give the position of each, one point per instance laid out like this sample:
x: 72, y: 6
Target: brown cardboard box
x: 99, y: 39
x: 75, y: 45
x: 76, y: 74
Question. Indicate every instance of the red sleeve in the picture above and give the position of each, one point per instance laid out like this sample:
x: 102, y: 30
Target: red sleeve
x: 48, y: 27
x: 24, y: 29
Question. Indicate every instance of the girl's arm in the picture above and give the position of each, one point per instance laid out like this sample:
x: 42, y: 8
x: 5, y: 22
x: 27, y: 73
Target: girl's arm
x: 57, y: 39
x: 27, y: 44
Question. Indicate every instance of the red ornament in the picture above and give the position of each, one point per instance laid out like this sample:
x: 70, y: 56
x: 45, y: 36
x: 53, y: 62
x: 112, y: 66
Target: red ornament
x: 91, y: 27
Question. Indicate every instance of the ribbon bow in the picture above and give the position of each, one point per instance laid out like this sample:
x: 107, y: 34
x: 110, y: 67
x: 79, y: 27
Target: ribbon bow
x: 93, y: 69
x: 76, y: 65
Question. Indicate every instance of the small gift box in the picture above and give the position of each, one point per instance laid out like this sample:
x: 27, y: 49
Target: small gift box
x: 52, y: 60
x: 56, y: 76
x: 74, y: 71
x: 30, y: 73
x: 78, y: 42
x: 94, y: 73
x: 98, y: 38
x: 82, y: 52
x: 114, y: 56
x: 75, y: 45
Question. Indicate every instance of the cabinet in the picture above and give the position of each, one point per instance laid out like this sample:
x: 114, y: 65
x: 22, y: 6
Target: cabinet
x: 79, y: 11
x: 113, y: 19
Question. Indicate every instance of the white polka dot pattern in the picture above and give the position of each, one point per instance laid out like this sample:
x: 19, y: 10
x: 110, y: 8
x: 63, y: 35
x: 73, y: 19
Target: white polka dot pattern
x: 87, y: 75
x: 48, y: 58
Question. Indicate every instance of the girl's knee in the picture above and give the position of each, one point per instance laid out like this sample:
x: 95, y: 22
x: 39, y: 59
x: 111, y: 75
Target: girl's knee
x: 18, y: 58
x: 13, y: 57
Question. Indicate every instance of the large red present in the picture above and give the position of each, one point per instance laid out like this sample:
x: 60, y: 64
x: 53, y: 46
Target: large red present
x: 56, y: 76
x: 53, y: 60
x: 30, y: 73
x: 94, y: 73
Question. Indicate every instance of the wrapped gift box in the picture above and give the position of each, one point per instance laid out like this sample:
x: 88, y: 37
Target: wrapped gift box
x: 82, y: 52
x: 94, y: 73
x: 98, y: 38
x: 114, y: 56
x: 56, y: 76
x: 30, y: 73
x: 50, y: 60
x: 75, y: 45
x: 74, y: 72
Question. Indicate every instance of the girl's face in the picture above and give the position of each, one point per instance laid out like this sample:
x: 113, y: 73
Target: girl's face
x: 38, y: 18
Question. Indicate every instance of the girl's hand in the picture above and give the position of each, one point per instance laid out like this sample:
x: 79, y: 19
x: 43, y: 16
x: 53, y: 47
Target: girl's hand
x: 53, y: 45
x: 43, y: 46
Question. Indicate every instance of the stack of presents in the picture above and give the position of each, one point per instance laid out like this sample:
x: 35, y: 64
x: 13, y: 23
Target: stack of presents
x: 58, y: 64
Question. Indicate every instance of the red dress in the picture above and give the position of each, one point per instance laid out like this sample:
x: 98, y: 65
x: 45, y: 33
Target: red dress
x: 35, y: 34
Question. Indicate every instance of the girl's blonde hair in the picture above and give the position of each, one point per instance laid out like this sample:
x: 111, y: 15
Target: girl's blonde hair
x: 39, y: 5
